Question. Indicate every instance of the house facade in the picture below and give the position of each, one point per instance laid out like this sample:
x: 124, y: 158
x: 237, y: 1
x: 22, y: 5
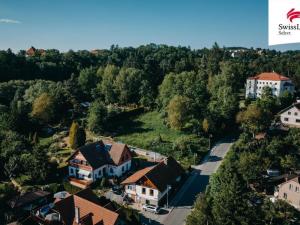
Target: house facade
x: 152, y: 184
x: 96, y: 160
x: 278, y: 83
x: 291, y: 115
x: 289, y: 191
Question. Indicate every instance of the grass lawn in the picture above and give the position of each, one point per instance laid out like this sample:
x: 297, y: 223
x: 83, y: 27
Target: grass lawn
x: 144, y: 130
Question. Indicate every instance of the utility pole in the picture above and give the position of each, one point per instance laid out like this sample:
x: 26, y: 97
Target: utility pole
x: 209, y: 137
x: 168, y: 186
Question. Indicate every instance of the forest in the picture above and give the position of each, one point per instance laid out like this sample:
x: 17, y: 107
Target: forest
x: 190, y: 96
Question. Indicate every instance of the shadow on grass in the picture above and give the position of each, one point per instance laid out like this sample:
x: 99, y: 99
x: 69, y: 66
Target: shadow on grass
x: 127, y: 126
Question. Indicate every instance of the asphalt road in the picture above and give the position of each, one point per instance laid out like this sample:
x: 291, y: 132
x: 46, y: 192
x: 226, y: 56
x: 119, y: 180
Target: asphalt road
x: 196, y: 183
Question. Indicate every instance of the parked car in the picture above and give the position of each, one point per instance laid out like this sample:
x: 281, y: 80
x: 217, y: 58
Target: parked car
x: 151, y: 208
x: 117, y: 190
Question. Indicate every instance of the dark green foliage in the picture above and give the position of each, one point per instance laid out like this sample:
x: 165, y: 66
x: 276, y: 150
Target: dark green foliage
x: 201, y: 213
x: 97, y: 117
x: 229, y: 200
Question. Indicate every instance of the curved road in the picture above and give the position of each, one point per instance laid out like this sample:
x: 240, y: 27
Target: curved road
x: 196, y: 183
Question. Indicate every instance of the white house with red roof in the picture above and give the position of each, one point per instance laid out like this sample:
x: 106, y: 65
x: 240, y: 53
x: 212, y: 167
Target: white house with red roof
x: 152, y: 184
x: 278, y: 83
x: 93, y: 161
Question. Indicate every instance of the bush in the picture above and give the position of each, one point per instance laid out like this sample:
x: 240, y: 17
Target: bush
x: 70, y: 188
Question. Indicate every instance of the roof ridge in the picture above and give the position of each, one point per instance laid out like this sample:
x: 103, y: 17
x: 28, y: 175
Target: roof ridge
x: 100, y: 206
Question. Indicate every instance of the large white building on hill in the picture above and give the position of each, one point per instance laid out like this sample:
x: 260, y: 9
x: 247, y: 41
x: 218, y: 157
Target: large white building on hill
x: 278, y: 83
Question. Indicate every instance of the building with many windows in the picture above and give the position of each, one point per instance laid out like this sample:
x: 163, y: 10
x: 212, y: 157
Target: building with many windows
x: 278, y: 83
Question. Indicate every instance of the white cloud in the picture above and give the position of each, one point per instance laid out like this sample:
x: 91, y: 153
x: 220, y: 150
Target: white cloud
x: 9, y: 21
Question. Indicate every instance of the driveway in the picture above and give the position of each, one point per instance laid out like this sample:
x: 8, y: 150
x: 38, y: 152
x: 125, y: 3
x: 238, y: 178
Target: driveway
x: 181, y: 205
x: 197, y: 182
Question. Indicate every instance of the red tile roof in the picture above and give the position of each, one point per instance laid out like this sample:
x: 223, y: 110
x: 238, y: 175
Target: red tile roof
x: 117, y: 153
x: 270, y: 76
x: 97, y: 155
x: 163, y: 174
x: 90, y: 210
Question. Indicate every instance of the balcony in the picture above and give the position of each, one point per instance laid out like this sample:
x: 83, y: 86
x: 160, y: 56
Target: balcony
x: 80, y: 183
x: 80, y: 164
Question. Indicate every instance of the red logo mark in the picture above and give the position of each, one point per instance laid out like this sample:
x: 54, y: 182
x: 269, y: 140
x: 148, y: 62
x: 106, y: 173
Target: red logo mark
x: 292, y: 14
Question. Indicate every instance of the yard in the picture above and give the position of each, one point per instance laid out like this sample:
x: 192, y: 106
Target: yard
x: 148, y: 131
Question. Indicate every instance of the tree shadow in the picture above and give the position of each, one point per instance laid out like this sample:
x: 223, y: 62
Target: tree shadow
x: 214, y: 158
x: 127, y: 126
x: 189, y: 195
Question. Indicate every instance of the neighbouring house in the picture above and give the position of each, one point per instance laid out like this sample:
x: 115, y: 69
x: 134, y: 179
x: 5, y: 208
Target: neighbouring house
x: 96, y: 160
x: 29, y: 200
x: 152, y: 184
x: 32, y: 51
x: 83, y: 207
x: 289, y: 191
x: 290, y: 116
x: 278, y: 83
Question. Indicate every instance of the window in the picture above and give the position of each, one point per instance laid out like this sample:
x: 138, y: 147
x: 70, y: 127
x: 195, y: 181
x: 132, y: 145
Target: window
x: 297, y: 121
x: 285, y: 195
x: 111, y: 170
x: 144, y: 191
x: 151, y: 192
x: 290, y: 186
x: 99, y: 173
x: 286, y: 119
x: 297, y: 189
x: 289, y: 113
x: 296, y: 114
x: 123, y: 168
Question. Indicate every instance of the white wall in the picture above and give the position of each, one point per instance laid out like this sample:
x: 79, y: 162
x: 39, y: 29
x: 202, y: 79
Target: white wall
x: 98, y: 173
x: 254, y: 88
x: 291, y: 115
x: 137, y: 190
x: 117, y: 170
x: 72, y: 172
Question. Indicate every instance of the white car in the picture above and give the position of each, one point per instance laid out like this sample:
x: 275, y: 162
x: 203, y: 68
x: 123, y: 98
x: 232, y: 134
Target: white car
x: 151, y: 208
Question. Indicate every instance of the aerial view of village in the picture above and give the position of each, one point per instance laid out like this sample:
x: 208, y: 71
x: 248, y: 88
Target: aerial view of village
x: 148, y: 113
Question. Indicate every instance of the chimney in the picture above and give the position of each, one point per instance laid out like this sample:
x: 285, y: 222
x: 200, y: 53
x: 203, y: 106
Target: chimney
x: 77, y: 214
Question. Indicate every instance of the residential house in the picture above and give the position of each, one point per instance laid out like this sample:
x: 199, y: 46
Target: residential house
x: 152, y: 184
x: 290, y: 116
x: 81, y: 208
x: 278, y: 83
x: 96, y: 160
x: 289, y: 191
x: 32, y: 51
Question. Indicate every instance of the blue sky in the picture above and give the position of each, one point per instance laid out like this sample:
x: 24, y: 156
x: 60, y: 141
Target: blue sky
x: 93, y: 24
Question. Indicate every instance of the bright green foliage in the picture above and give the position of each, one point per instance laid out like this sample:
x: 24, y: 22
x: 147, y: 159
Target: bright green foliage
x: 179, y: 112
x: 43, y: 108
x: 77, y: 135
x: 254, y: 119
